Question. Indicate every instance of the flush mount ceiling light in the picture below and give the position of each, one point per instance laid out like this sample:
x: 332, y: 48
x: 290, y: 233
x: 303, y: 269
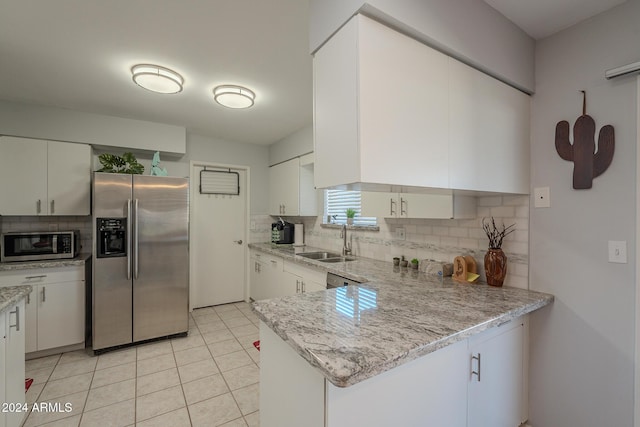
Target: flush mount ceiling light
x: 157, y: 79
x: 232, y: 96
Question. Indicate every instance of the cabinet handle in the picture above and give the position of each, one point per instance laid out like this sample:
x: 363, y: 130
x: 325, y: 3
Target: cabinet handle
x: 17, y: 324
x: 391, y: 210
x: 36, y: 277
x: 29, y: 298
x: 297, y: 286
x: 38, y: 206
x: 44, y: 295
x: 403, y: 202
x: 53, y: 206
x: 479, y: 366
x: 304, y: 287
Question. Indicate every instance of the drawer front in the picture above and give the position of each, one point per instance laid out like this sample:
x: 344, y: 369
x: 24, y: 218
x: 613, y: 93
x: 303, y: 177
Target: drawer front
x: 41, y: 275
x: 273, y: 262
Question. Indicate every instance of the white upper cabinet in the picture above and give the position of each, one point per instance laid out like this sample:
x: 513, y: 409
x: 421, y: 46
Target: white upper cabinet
x: 440, y: 205
x: 488, y: 133
x: 389, y: 110
x: 380, y: 101
x: 44, y: 177
x: 291, y: 190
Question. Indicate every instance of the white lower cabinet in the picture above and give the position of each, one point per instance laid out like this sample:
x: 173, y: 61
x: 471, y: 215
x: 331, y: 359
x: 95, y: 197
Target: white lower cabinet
x: 272, y: 276
x: 438, y: 389
x: 300, y: 280
x: 496, y: 386
x: 12, y: 332
x: 55, y: 309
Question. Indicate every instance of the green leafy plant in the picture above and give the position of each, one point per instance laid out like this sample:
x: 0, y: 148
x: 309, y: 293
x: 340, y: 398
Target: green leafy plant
x: 414, y: 261
x: 351, y: 213
x: 127, y: 163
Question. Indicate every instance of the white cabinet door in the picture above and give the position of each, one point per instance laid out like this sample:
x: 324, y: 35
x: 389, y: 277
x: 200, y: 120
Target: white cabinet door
x: 273, y: 276
x: 379, y: 205
x: 489, y: 133
x: 403, y: 124
x: 60, y: 314
x: 291, y: 284
x: 495, y: 391
x: 380, y: 111
x: 69, y: 178
x: 284, y: 188
x: 14, y: 353
x: 425, y: 206
x: 23, y: 176
x: 256, y: 278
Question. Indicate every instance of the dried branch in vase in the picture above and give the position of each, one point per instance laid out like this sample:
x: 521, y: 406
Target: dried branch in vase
x: 495, y: 234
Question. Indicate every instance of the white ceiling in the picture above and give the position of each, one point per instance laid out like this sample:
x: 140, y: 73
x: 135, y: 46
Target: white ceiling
x: 77, y: 54
x: 542, y: 18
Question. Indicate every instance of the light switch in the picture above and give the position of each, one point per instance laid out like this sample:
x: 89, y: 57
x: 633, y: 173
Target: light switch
x: 618, y: 251
x: 400, y: 233
x: 541, y: 197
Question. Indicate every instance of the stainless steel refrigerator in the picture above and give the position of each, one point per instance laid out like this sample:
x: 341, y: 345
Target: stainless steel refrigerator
x: 140, y: 284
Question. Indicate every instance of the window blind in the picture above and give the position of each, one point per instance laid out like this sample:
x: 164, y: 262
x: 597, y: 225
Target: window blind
x: 336, y: 203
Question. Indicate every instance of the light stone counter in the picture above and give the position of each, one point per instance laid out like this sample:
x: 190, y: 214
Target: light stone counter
x: 27, y: 265
x: 10, y: 295
x: 354, y: 333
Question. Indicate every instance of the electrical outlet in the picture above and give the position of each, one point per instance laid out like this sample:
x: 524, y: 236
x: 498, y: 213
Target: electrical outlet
x: 541, y: 197
x: 400, y: 234
x: 618, y: 251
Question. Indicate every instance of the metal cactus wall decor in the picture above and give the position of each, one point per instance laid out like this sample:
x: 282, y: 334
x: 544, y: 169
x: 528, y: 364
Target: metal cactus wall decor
x: 587, y: 163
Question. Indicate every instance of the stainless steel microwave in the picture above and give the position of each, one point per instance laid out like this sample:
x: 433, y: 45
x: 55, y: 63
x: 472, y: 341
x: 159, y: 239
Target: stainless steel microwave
x: 39, y: 245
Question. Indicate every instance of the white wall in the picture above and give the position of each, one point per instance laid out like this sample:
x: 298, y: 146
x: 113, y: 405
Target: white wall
x: 469, y: 30
x: 582, y: 346
x: 294, y: 145
x: 41, y: 122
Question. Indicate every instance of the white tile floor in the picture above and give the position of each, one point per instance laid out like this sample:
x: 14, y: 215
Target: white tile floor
x: 209, y: 378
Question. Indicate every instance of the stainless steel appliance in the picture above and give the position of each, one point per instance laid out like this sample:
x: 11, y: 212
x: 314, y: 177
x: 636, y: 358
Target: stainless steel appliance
x: 337, y: 281
x: 40, y: 245
x: 140, y: 258
x: 282, y: 232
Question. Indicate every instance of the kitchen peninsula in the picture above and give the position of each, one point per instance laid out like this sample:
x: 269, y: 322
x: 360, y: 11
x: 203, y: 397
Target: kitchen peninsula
x: 403, y: 348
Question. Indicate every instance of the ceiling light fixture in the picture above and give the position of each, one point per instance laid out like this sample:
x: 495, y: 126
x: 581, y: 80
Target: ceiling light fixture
x: 157, y: 79
x: 232, y: 96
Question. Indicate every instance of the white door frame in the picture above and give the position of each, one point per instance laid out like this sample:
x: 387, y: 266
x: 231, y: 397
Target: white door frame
x: 193, y: 188
x: 636, y: 398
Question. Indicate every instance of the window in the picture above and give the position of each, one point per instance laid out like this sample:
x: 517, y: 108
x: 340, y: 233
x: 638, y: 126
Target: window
x: 336, y: 203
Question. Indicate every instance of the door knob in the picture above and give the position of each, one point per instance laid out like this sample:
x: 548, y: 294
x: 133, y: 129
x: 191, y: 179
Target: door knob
x: 238, y: 241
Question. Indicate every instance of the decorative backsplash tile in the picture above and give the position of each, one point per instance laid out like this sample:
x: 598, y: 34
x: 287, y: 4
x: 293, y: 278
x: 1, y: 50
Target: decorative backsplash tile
x: 438, y: 239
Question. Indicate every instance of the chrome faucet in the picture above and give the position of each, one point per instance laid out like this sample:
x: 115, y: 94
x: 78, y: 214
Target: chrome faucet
x: 346, y: 246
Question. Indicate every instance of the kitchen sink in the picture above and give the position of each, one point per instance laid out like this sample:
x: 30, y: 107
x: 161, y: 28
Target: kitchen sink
x: 326, y: 256
x: 319, y: 255
x: 337, y: 259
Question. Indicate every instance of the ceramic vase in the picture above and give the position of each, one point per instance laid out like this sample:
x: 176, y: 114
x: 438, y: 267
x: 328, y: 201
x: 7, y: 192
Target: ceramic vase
x: 495, y: 266
x: 349, y: 221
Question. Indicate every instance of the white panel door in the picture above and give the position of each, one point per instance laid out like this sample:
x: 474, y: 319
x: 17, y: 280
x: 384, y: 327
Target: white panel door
x: 69, y: 178
x: 23, y: 191
x: 218, y: 242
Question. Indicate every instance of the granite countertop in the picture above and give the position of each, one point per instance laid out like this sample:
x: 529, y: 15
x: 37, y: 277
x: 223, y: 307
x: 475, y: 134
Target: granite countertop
x: 9, y: 295
x: 27, y: 265
x: 354, y: 333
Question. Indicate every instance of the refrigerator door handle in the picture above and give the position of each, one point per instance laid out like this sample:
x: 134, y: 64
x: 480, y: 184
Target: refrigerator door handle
x: 129, y: 255
x: 135, y: 240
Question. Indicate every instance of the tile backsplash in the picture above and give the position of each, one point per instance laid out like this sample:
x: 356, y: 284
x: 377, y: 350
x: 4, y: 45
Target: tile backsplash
x: 438, y: 239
